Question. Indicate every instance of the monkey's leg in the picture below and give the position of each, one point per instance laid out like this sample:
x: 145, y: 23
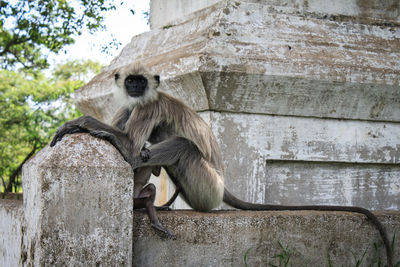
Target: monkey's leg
x: 201, y: 185
x: 165, y: 153
x: 156, y: 170
x: 146, y: 200
x: 141, y: 178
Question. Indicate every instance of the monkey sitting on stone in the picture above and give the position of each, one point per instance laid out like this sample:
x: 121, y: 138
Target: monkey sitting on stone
x: 181, y: 142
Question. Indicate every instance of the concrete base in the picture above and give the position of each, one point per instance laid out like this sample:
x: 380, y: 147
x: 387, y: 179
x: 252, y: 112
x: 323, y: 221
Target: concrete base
x: 229, y: 238
x: 11, y: 232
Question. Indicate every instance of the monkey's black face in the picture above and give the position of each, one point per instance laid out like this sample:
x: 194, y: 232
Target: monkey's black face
x: 135, y: 85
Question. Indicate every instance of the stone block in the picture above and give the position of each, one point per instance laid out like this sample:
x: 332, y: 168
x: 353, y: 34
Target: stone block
x: 78, y: 201
x: 231, y: 238
x: 164, y: 13
x: 265, y: 57
x: 290, y: 160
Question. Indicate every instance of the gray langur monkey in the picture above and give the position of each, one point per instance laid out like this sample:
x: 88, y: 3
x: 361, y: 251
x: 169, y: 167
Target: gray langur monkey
x: 181, y: 142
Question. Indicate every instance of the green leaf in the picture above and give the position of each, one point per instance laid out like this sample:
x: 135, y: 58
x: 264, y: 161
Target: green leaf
x: 50, y: 25
x: 32, y: 107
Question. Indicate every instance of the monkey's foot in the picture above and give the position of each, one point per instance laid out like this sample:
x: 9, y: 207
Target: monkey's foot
x: 163, y: 230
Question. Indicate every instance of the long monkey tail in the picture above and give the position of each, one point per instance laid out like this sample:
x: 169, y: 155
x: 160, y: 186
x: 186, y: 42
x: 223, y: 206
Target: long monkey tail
x: 231, y: 200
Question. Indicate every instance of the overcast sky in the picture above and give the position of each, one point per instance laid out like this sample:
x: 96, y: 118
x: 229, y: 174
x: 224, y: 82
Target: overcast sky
x: 120, y: 24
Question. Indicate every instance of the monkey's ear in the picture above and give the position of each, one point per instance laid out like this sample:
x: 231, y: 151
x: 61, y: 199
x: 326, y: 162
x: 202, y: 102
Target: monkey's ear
x: 157, y: 78
x: 116, y: 76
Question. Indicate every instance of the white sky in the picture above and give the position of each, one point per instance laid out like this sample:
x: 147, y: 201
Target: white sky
x: 120, y: 24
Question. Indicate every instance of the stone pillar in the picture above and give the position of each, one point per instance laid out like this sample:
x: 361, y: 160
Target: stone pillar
x: 78, y: 205
x: 302, y: 96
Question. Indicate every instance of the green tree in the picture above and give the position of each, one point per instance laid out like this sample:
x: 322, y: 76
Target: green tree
x: 32, y: 107
x: 30, y: 28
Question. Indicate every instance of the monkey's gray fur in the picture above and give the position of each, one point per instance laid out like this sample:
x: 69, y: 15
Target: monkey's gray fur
x: 182, y: 143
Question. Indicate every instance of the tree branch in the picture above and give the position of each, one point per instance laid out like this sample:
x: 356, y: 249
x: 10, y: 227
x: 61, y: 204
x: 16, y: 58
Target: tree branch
x: 4, y: 186
x: 15, y: 173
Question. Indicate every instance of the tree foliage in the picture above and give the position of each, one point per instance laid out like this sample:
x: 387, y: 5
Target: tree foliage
x: 32, y: 107
x: 29, y: 27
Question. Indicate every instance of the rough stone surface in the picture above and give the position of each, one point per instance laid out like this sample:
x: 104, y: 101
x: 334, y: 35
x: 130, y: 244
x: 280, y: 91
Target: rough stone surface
x: 165, y: 12
x: 264, y: 58
x: 78, y: 205
x: 11, y: 232
x: 175, y: 8
x: 226, y: 238
x: 307, y: 89
x: 310, y: 161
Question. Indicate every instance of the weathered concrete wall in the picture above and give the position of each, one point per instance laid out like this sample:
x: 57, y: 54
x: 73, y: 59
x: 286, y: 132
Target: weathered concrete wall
x: 311, y: 160
x: 78, y: 204
x: 163, y: 13
x: 11, y: 232
x: 255, y: 58
x: 223, y: 238
x: 175, y: 8
x: 311, y: 90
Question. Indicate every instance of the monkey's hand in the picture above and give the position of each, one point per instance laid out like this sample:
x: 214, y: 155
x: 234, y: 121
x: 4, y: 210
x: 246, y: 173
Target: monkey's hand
x: 112, y: 139
x: 68, y: 128
x: 138, y: 161
x: 145, y: 154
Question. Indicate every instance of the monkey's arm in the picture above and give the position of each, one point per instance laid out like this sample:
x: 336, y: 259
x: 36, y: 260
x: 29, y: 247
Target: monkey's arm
x: 88, y: 124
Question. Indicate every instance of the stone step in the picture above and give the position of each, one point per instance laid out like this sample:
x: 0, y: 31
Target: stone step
x: 232, y: 238
x: 257, y: 238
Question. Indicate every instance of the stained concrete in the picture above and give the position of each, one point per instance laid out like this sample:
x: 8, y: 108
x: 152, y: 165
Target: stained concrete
x: 238, y: 56
x: 289, y: 87
x: 163, y: 13
x: 78, y: 201
x: 11, y: 232
x: 226, y: 238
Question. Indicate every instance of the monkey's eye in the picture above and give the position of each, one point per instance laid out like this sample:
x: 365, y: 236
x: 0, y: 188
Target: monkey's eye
x: 136, y: 80
x: 129, y: 80
x: 142, y: 81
